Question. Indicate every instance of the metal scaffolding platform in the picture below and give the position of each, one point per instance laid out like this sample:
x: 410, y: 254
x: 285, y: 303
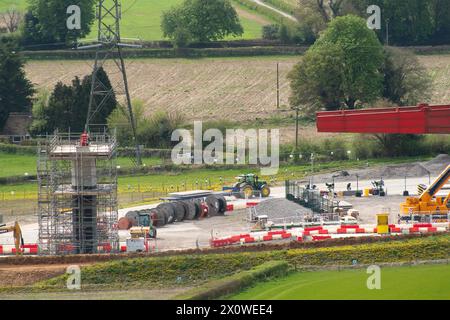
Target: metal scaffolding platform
x: 77, y: 196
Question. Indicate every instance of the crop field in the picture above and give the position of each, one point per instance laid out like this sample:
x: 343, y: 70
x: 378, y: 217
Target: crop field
x: 203, y: 89
x: 429, y: 282
x: 199, y: 89
x: 142, y: 19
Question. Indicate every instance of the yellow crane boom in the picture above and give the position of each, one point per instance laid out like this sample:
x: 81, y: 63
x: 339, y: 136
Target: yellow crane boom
x: 17, y: 234
x: 428, y: 202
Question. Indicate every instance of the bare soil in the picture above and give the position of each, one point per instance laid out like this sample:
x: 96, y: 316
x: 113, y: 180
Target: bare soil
x: 27, y: 275
x: 202, y: 89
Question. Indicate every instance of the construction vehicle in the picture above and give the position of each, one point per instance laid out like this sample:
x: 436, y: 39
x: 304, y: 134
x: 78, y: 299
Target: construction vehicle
x: 17, y: 234
x: 428, y: 202
x: 378, y: 188
x: 143, y: 232
x: 247, y: 184
x: 139, y: 238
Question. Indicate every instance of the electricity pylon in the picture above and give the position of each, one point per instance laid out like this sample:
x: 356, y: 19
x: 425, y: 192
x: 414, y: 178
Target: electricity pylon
x: 109, y: 47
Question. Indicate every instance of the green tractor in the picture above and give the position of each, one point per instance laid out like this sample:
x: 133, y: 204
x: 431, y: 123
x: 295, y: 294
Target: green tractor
x: 247, y: 184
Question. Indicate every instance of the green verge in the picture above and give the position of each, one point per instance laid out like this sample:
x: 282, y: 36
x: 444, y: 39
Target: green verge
x: 424, y: 282
x: 186, y: 270
x: 235, y: 283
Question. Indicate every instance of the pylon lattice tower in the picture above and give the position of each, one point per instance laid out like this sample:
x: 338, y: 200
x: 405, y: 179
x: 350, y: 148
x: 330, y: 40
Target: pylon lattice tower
x: 109, y: 47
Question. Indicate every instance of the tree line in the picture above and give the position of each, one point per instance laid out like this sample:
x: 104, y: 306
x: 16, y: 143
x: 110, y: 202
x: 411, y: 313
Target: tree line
x: 404, y: 22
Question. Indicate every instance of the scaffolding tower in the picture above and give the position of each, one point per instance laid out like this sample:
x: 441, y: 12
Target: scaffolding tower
x: 77, y: 196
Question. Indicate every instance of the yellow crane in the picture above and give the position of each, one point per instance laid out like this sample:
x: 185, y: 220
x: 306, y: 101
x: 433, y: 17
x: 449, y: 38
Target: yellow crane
x: 428, y: 203
x: 17, y: 234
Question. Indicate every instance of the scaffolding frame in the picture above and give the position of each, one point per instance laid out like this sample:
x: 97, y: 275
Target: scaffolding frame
x: 74, y: 218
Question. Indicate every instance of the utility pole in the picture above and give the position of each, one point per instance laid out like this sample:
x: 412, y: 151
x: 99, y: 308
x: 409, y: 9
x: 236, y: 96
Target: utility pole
x: 109, y: 47
x: 296, y: 128
x: 278, y: 85
x: 387, y: 32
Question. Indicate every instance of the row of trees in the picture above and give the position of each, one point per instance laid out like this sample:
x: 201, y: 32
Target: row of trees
x: 405, y: 22
x: 348, y: 68
x: 16, y: 90
x: 44, y: 23
x: 67, y: 106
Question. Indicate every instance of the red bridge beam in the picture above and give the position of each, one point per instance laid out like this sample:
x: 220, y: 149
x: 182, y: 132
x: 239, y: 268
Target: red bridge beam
x: 422, y: 119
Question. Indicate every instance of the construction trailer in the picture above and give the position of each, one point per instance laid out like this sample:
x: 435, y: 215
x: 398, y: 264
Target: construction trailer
x: 77, y: 196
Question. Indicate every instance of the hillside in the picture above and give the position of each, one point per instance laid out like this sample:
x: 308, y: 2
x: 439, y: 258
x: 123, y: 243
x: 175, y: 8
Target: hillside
x: 142, y: 19
x: 216, y: 88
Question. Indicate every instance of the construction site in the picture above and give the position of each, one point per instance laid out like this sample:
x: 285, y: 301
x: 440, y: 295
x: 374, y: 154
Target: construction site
x: 81, y: 221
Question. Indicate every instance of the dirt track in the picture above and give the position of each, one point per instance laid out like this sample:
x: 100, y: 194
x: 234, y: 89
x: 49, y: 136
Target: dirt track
x: 26, y: 275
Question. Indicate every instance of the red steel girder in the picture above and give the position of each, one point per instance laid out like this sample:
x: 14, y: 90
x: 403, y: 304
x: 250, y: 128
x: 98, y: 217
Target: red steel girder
x: 423, y: 119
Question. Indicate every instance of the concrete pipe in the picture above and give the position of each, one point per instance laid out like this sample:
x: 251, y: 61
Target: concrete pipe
x: 124, y: 224
x: 198, y: 208
x: 133, y: 216
x: 191, y: 210
x: 222, y: 204
x: 168, y: 210
x: 180, y: 211
x: 155, y: 218
x: 213, y: 205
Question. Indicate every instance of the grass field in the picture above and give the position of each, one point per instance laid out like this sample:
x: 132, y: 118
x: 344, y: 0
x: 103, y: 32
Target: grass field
x: 202, y: 89
x: 142, y: 19
x: 18, y: 165
x: 431, y: 282
x: 170, y: 181
x: 6, y: 4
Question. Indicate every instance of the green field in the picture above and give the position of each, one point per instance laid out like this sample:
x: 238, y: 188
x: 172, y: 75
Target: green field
x: 20, y: 4
x: 430, y: 282
x: 142, y: 19
x: 13, y: 165
x: 19, y: 165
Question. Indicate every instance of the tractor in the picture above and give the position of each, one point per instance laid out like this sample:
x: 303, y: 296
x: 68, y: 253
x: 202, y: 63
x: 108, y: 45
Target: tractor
x: 247, y: 184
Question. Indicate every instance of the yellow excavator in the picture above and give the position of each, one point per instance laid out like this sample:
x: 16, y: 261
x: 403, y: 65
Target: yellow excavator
x: 17, y: 233
x: 428, y: 202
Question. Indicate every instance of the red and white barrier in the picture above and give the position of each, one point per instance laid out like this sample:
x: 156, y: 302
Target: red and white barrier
x: 252, y: 238
x: 27, y: 249
x: 319, y: 233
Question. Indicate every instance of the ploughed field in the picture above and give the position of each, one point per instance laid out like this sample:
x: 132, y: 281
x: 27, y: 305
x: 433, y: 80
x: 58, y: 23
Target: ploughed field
x: 235, y: 89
